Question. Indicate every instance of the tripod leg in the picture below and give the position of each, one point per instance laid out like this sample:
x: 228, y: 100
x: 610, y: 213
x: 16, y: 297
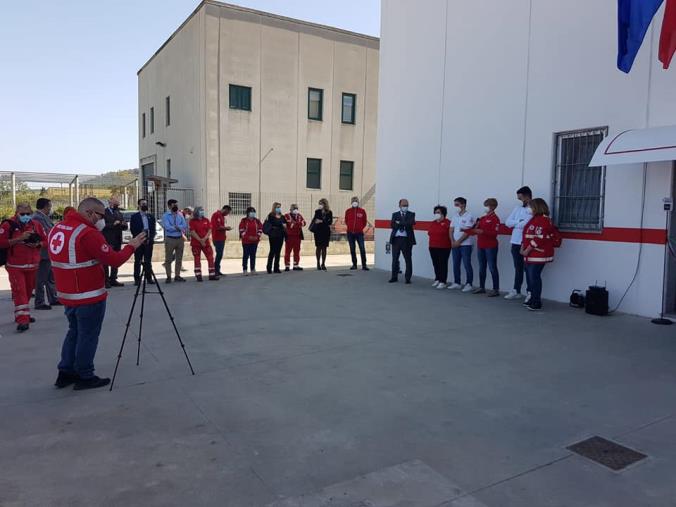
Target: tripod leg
x: 140, y: 324
x: 171, y: 317
x: 124, y: 338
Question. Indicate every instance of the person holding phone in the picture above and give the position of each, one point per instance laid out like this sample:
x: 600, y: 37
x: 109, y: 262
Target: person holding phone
x: 250, y: 232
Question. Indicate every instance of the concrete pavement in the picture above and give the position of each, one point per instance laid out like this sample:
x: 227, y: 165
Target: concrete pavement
x: 320, y: 389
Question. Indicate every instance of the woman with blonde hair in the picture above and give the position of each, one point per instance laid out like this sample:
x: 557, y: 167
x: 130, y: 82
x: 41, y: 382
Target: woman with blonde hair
x: 275, y: 229
x: 321, y: 228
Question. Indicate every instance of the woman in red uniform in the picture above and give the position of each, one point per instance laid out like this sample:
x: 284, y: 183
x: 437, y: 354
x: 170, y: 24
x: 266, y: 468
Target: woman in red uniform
x: 540, y: 237
x: 294, y: 236
x: 250, y: 232
x: 22, y: 238
x: 440, y: 245
x: 487, y: 248
x: 200, y: 233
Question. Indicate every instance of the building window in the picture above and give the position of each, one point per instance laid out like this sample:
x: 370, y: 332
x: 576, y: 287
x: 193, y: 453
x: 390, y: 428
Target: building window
x: 346, y: 175
x: 314, y: 173
x: 239, y: 202
x: 167, y: 106
x: 315, y: 104
x: 168, y: 168
x: 152, y: 120
x: 143, y: 124
x: 349, y: 107
x: 240, y: 97
x: 579, y: 190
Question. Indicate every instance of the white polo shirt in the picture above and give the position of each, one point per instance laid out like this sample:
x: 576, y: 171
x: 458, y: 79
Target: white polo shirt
x: 461, y: 222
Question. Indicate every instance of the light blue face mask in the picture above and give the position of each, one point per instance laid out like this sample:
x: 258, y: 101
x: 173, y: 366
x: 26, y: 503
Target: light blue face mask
x: 24, y: 219
x: 278, y: 210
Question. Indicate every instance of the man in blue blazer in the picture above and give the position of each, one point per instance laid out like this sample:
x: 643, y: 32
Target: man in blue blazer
x: 402, y: 239
x: 142, y: 221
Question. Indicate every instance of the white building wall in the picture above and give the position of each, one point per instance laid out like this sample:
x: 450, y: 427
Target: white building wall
x: 507, y: 76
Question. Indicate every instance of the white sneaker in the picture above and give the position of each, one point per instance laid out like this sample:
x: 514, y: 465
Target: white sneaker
x: 441, y: 286
x: 467, y: 288
x: 436, y: 283
x: 512, y: 294
x: 527, y: 300
x: 454, y: 286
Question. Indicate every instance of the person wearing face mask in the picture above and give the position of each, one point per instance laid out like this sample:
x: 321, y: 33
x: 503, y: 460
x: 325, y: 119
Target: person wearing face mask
x: 487, y: 248
x: 200, y: 234
x: 22, y: 238
x: 461, y: 223
x: 143, y: 221
x: 250, y: 231
x: 275, y: 229
x: 402, y: 240
x: 321, y: 228
x: 294, y: 237
x: 79, y: 252
x: 440, y: 246
x: 44, y: 282
x: 516, y: 221
x: 115, y: 224
x: 175, y: 234
x: 219, y: 228
x: 356, y: 221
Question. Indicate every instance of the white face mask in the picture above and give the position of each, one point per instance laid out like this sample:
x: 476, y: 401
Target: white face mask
x: 294, y: 211
x: 488, y: 210
x: 437, y: 216
x: 355, y: 204
x: 100, y: 224
x: 252, y: 214
x: 529, y: 211
x: 403, y: 209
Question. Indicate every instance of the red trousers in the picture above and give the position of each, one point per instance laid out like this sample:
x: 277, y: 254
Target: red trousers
x: 197, y: 255
x: 22, y: 282
x: 292, y: 244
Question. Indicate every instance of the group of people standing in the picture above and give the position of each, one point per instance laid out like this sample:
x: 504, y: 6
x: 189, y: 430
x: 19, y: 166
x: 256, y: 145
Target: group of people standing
x: 533, y: 239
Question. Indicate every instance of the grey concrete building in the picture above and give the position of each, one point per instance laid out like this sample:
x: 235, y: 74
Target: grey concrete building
x: 244, y: 106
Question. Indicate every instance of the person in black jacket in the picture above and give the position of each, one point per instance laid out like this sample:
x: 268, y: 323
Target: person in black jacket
x: 321, y: 228
x: 115, y: 224
x: 275, y: 228
x: 402, y: 239
x: 142, y: 221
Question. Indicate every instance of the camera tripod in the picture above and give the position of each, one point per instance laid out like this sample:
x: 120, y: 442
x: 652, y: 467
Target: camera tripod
x: 141, y: 288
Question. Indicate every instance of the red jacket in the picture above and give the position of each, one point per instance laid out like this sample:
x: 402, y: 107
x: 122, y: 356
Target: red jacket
x: 218, y: 226
x: 540, y: 234
x: 355, y: 220
x: 439, y: 234
x: 250, y: 230
x: 78, y: 253
x: 201, y: 227
x: 294, y: 225
x: 20, y: 255
x: 490, y: 225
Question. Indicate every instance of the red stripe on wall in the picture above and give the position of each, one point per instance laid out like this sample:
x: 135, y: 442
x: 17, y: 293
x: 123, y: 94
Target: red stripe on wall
x: 612, y: 234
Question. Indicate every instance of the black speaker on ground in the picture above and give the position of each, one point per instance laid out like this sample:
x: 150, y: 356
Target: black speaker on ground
x: 596, y: 301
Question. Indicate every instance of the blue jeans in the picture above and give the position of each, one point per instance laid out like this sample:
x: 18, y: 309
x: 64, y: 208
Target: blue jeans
x: 488, y: 256
x: 249, y: 254
x: 357, y: 238
x: 462, y: 254
x: 219, y: 246
x: 519, y: 269
x: 82, y: 339
x: 534, y: 279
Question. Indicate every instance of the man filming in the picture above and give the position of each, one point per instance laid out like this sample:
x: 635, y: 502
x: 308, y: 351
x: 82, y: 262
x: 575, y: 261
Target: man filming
x: 79, y: 252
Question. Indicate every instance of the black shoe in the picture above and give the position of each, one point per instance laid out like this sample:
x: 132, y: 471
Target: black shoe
x: 65, y: 379
x: 31, y: 320
x: 533, y: 307
x: 90, y: 383
x: 108, y: 285
x: 354, y: 266
x: 323, y: 267
x: 297, y: 268
x: 319, y: 267
x: 43, y: 307
x: 392, y: 280
x: 22, y: 327
x: 168, y: 280
x: 150, y: 281
x: 214, y: 278
x: 179, y: 279
x: 198, y: 278
x: 408, y: 282
x: 287, y: 268
x: 137, y: 283
x: 365, y: 268
x: 56, y: 303
x: 278, y: 272
x: 115, y: 283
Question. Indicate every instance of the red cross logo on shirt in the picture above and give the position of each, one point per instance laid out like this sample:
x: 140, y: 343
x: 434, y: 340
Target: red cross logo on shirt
x: 57, y: 242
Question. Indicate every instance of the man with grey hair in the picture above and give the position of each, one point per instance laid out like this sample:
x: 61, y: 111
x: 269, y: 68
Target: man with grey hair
x: 115, y: 224
x: 79, y: 252
x: 44, y: 282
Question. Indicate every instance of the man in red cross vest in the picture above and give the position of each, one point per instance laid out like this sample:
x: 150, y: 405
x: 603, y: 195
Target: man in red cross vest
x: 79, y: 252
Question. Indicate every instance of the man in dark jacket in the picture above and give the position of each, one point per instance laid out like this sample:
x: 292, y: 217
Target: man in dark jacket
x: 142, y: 221
x: 402, y: 239
x: 44, y: 282
x: 115, y: 224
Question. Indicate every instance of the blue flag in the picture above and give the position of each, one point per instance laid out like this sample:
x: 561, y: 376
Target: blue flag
x: 633, y: 19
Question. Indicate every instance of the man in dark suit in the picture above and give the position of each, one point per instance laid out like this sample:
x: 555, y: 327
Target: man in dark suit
x: 115, y: 224
x: 402, y: 240
x: 142, y: 221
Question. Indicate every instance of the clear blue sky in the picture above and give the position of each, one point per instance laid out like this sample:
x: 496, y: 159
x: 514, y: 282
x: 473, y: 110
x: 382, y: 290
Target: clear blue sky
x: 68, y: 73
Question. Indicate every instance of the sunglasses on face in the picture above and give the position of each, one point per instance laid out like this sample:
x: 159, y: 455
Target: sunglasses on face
x: 25, y: 214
